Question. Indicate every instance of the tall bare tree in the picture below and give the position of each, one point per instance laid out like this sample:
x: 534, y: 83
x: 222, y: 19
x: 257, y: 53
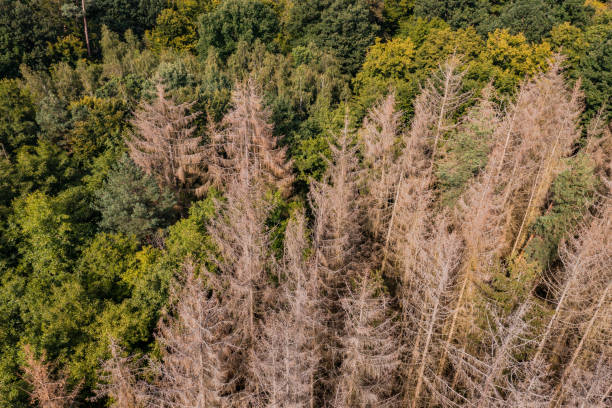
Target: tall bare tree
x: 287, y: 354
x: 120, y: 382
x: 380, y: 136
x: 245, y: 141
x: 49, y: 389
x: 427, y: 299
x: 337, y: 243
x: 197, y: 349
x: 581, y: 321
x: 441, y: 96
x: 370, y: 347
x: 165, y: 145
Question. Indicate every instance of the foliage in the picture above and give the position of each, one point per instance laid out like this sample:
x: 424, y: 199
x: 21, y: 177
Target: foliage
x: 379, y: 168
x: 234, y: 21
x: 132, y: 203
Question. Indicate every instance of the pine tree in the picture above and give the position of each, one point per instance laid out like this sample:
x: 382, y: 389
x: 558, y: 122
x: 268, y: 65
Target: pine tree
x: 165, y: 146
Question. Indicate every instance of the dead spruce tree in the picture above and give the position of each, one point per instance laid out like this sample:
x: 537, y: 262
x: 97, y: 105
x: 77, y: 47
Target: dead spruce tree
x: 480, y: 215
x: 336, y: 246
x: 370, y: 347
x: 165, y: 145
x: 245, y: 141
x: 579, y: 328
x: 286, y: 356
x: 380, y: 135
x: 120, y: 380
x: 542, y: 128
x: 427, y: 302
x: 433, y: 109
x: 441, y: 96
x: 487, y: 379
x: 48, y: 389
x: 196, y: 349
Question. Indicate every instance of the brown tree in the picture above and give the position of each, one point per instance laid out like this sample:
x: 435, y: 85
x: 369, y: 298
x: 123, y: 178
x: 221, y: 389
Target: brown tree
x: 245, y: 142
x: 287, y: 354
x: 370, y: 348
x: 380, y: 136
x: 197, y: 348
x: 49, y: 389
x: 165, y: 145
x: 427, y: 299
x: 337, y: 243
x: 120, y: 382
x: 440, y: 98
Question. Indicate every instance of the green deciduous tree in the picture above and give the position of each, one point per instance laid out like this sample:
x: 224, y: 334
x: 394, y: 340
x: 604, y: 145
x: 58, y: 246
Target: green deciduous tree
x: 234, y: 21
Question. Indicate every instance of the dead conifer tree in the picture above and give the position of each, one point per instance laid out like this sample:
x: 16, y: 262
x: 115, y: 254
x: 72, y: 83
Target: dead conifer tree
x: 433, y: 109
x: 241, y: 239
x: 48, y: 389
x: 441, y: 97
x: 336, y: 246
x: 245, y: 141
x: 542, y: 128
x: 480, y: 215
x: 427, y: 295
x: 485, y: 378
x: 587, y: 258
x: 412, y: 192
x: 165, y: 146
x: 370, y: 347
x: 380, y: 137
x: 286, y: 356
x: 335, y: 201
x: 120, y: 382
x: 197, y: 348
x: 590, y: 386
x: 581, y: 323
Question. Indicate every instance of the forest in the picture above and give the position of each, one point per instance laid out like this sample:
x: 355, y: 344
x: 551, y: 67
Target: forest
x: 305, y: 203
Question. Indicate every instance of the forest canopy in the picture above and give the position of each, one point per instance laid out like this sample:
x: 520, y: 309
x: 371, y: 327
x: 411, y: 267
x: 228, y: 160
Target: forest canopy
x: 305, y: 203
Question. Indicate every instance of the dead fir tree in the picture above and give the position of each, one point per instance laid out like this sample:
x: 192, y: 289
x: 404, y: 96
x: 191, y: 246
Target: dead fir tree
x: 119, y: 380
x: 487, y: 379
x: 196, y: 348
x: 480, y: 214
x: 241, y: 256
x: 335, y: 201
x: 441, y: 97
x: 286, y: 356
x: 370, y: 347
x: 49, y: 389
x: 166, y: 146
x: 244, y: 141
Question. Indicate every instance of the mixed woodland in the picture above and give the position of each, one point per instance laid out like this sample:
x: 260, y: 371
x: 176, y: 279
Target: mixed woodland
x: 305, y: 203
